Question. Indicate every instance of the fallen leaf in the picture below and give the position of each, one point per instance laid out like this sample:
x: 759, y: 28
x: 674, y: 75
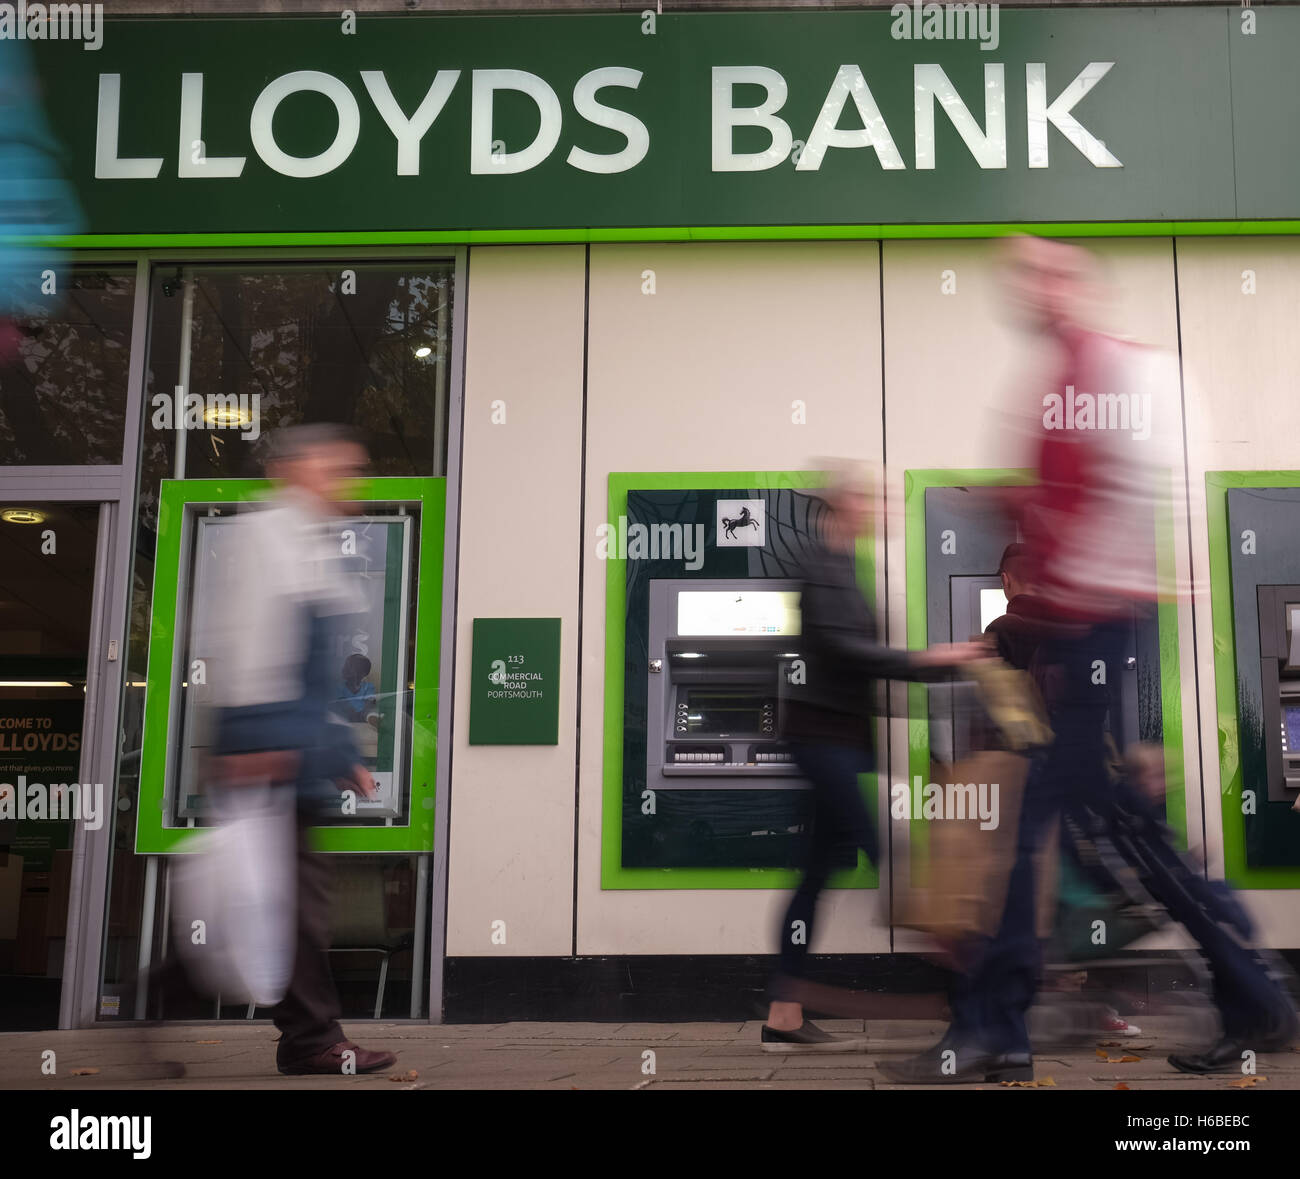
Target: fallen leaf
x: 395, y: 1078
x: 1121, y: 1085
x: 1019, y: 1084
x: 1246, y: 1082
x: 1048, y: 1082
x: 85, y: 1072
x: 1130, y: 1060
x: 412, y: 1075
x: 1101, y: 1055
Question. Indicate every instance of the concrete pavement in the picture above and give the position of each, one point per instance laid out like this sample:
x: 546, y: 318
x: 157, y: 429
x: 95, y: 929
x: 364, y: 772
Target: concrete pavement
x: 235, y: 1054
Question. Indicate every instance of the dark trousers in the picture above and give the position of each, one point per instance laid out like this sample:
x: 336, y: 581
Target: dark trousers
x: 840, y: 819
x: 989, y: 1002
x: 308, y: 1014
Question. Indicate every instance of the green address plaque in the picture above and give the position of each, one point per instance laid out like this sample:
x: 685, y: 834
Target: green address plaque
x: 515, y: 682
x: 161, y: 827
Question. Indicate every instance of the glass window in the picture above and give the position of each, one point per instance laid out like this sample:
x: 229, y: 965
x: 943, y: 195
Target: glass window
x: 237, y: 351
x: 64, y: 362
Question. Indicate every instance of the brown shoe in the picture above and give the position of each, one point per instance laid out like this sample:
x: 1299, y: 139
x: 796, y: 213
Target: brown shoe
x: 333, y: 1061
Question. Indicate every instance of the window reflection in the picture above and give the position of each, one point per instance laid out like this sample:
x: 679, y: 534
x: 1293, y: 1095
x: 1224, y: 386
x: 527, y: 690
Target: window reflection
x: 63, y: 383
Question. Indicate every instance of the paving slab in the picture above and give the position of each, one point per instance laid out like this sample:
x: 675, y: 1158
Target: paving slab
x: 239, y: 1054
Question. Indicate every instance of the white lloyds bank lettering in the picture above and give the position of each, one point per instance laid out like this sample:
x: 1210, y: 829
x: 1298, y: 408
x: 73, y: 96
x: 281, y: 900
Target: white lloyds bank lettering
x: 490, y: 155
x: 409, y: 132
x: 726, y: 116
x: 629, y: 126
x: 849, y: 83
x: 988, y: 145
x: 192, y: 137
x: 483, y: 160
x: 346, y: 111
x: 1039, y: 114
x: 108, y: 164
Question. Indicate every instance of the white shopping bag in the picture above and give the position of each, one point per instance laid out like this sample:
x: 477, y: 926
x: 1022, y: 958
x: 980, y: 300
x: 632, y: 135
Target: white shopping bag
x: 234, y: 898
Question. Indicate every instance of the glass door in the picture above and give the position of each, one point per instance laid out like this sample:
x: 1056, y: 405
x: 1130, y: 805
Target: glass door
x: 48, y: 559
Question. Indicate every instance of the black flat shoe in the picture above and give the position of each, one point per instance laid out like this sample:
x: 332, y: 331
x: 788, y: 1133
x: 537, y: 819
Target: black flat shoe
x: 950, y: 1064
x: 1279, y: 1033
x: 807, y: 1037
x: 1224, y: 1057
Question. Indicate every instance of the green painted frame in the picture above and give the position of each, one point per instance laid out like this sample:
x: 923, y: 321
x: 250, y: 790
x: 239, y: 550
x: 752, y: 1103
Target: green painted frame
x: 667, y: 233
x: 612, y: 873
x: 177, y: 497
x: 915, y: 484
x: 1217, y: 485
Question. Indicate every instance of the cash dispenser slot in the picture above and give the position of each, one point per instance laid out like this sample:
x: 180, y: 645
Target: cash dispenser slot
x: 1279, y: 651
x: 719, y: 652
x: 724, y: 712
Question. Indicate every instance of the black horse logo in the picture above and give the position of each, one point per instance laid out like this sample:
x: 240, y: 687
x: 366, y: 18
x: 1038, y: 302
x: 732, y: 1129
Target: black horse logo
x: 744, y: 520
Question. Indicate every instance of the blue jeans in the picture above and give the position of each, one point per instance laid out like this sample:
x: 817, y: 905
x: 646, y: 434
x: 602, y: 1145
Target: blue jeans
x: 840, y: 818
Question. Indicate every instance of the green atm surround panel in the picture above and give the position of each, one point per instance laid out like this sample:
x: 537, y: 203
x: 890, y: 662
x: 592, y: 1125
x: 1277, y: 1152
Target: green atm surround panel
x: 1169, y: 704
x: 688, y: 498
x: 179, y: 502
x: 1261, y: 831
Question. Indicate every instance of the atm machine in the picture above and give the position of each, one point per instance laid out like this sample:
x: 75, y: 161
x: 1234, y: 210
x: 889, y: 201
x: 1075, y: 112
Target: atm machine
x: 719, y: 652
x: 1279, y: 661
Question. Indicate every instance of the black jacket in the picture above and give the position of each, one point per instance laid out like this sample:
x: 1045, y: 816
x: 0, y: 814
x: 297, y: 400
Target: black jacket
x: 1021, y: 630
x: 833, y: 697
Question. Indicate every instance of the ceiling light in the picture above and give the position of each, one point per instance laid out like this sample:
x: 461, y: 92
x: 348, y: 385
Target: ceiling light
x: 227, y: 416
x: 35, y: 684
x: 22, y: 516
x: 423, y: 351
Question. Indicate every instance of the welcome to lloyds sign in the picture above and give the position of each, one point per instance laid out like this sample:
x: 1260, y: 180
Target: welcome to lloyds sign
x: 446, y: 123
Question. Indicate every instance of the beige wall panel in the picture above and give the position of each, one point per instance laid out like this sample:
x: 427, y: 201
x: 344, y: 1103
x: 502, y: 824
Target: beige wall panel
x: 1241, y: 356
x: 701, y: 376
x: 511, y: 838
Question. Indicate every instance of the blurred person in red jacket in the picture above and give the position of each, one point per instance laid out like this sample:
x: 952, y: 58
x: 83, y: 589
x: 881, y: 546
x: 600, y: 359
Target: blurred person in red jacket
x: 1103, y: 435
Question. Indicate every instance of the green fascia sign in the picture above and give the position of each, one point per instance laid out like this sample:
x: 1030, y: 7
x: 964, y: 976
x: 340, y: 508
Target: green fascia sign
x: 411, y: 128
x: 179, y: 499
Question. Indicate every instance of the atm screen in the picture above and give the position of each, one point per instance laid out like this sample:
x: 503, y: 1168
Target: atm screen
x: 722, y: 713
x: 738, y: 612
x: 993, y: 604
x: 1291, y: 721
